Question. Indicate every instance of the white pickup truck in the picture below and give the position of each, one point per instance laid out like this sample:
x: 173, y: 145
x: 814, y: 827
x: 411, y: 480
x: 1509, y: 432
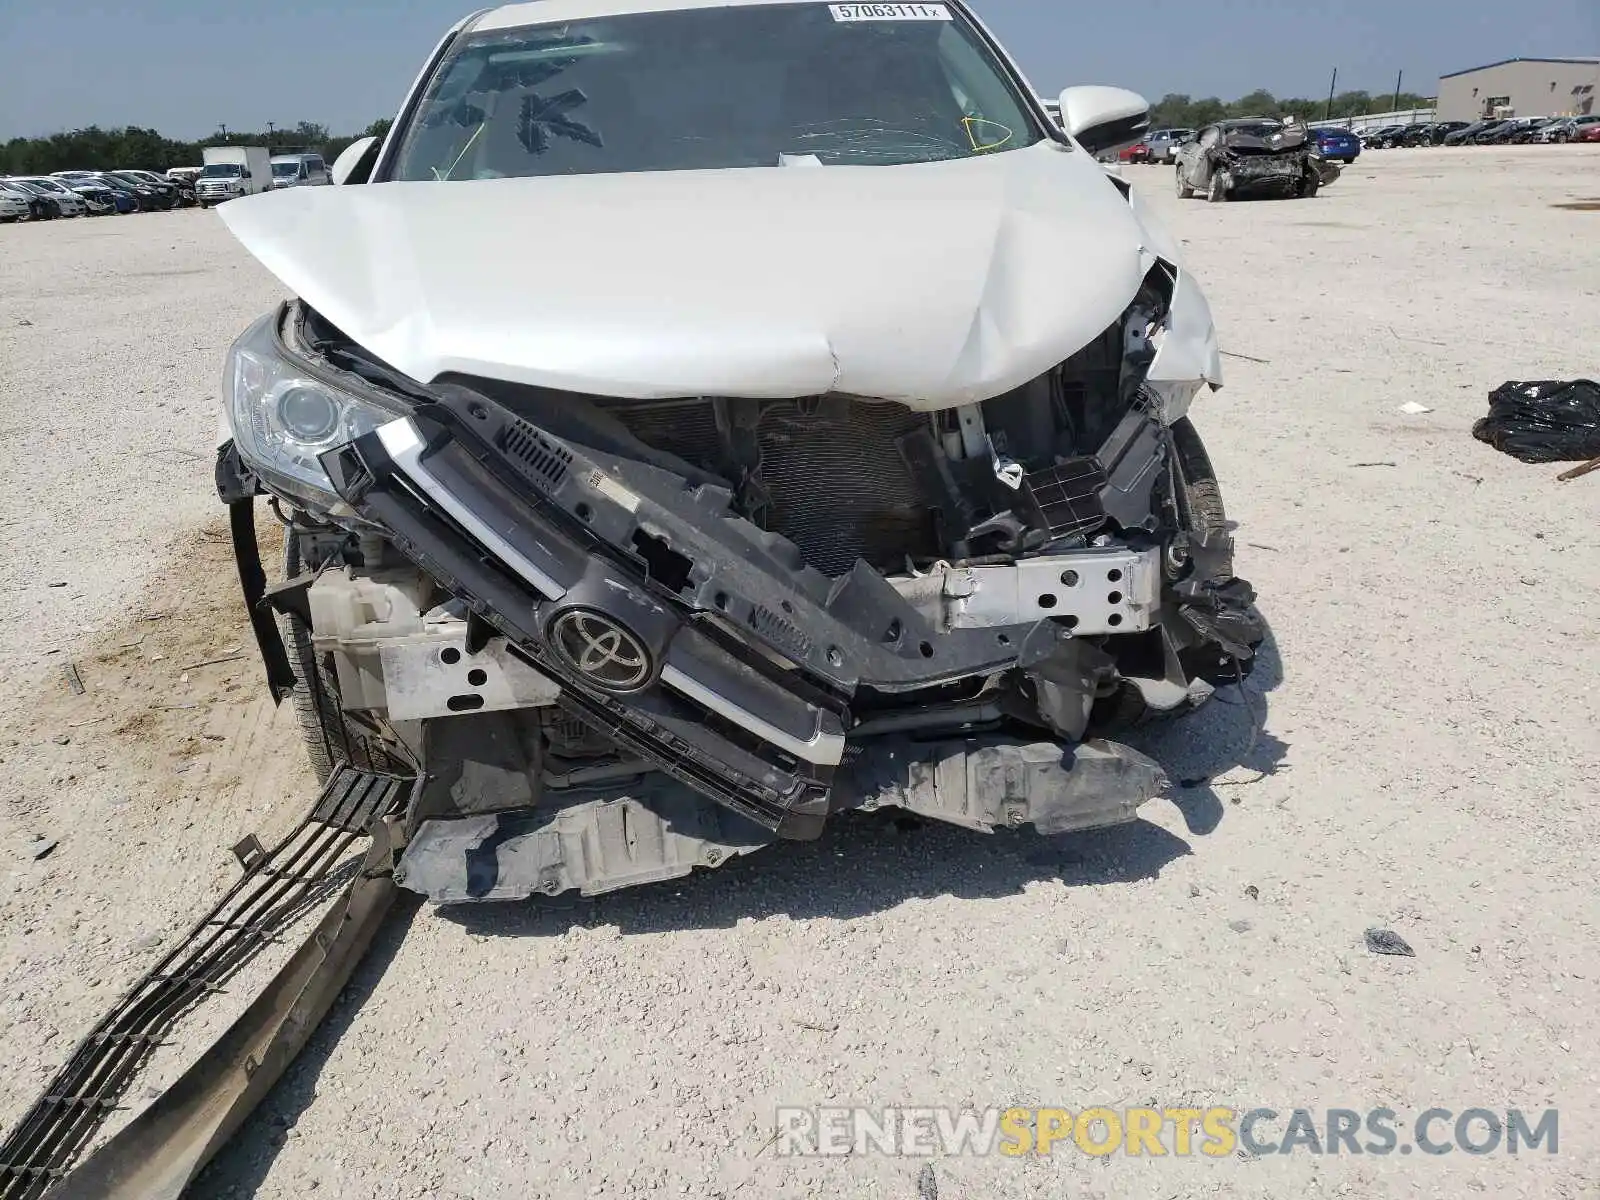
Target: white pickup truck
x: 1163, y: 144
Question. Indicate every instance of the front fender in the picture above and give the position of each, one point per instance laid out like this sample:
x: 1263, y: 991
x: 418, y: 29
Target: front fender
x: 1189, y: 353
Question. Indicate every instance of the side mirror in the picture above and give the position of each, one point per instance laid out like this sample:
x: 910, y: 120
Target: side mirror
x: 1104, y: 118
x: 355, y: 161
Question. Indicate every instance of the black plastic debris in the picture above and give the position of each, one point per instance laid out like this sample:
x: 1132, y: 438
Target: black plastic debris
x: 1544, y: 421
x: 1387, y: 941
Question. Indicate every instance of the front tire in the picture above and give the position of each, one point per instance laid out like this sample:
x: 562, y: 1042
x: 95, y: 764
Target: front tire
x: 1199, y: 494
x: 1217, y: 189
x: 1198, y: 499
x: 1185, y: 192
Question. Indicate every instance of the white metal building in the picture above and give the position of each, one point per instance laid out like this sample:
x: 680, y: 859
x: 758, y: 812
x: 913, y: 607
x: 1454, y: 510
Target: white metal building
x: 1521, y: 87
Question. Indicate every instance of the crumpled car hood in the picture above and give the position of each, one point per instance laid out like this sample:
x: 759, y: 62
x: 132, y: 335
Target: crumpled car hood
x: 1287, y: 141
x: 931, y: 284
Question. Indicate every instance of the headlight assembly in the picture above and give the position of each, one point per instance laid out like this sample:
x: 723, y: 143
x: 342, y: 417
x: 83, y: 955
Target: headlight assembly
x: 281, y: 419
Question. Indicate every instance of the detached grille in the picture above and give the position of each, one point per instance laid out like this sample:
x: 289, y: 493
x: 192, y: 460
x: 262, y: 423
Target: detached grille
x: 831, y: 472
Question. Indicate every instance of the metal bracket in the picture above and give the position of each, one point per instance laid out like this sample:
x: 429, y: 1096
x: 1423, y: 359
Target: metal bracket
x: 434, y: 674
x: 1092, y: 591
x: 250, y: 852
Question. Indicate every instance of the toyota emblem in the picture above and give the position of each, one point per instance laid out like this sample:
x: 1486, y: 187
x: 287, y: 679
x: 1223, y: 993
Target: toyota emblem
x: 605, y: 653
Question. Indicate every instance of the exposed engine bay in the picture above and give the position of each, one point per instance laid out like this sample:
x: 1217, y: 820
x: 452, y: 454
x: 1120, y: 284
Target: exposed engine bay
x: 623, y: 638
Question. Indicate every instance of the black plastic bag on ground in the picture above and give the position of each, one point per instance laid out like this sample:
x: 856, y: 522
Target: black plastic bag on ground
x: 1547, y: 421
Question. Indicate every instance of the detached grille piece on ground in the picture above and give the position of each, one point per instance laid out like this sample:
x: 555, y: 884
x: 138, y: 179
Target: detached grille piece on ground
x: 277, y: 886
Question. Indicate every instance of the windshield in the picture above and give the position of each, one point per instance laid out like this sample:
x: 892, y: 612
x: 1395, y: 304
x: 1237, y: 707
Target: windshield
x: 128, y: 179
x: 222, y: 170
x: 286, y: 169
x: 715, y: 87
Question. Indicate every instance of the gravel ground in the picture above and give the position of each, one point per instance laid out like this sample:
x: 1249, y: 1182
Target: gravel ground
x: 1427, y: 765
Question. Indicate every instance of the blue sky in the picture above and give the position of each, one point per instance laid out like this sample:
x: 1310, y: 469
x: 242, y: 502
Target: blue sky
x: 182, y: 66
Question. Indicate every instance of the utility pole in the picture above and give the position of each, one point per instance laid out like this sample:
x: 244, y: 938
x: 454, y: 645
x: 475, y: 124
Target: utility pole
x: 1396, y: 105
x: 224, y: 127
x: 1327, y: 113
x: 270, y: 128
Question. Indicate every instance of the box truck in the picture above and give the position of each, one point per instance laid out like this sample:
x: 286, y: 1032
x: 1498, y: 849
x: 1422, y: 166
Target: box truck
x: 232, y: 171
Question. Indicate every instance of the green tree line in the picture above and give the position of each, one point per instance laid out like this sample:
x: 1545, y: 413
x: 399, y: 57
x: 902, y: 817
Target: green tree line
x: 1183, y: 112
x: 96, y: 149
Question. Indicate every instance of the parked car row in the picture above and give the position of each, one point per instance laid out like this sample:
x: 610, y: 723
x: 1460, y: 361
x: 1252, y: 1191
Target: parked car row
x: 90, y: 193
x: 1161, y: 146
x: 230, y: 171
x: 1417, y: 133
x: 1498, y: 131
x: 30, y: 198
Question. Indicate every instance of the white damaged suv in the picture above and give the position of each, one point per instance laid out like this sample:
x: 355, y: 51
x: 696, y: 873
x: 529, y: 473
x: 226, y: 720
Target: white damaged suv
x: 699, y: 418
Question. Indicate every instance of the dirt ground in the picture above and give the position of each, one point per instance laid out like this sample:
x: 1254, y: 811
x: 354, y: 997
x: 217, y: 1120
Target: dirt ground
x: 1428, y: 764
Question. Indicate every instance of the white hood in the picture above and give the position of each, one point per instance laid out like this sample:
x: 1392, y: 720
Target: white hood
x: 932, y: 284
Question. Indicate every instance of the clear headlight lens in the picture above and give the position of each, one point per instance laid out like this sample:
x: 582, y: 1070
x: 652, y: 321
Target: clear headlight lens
x: 281, y: 419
